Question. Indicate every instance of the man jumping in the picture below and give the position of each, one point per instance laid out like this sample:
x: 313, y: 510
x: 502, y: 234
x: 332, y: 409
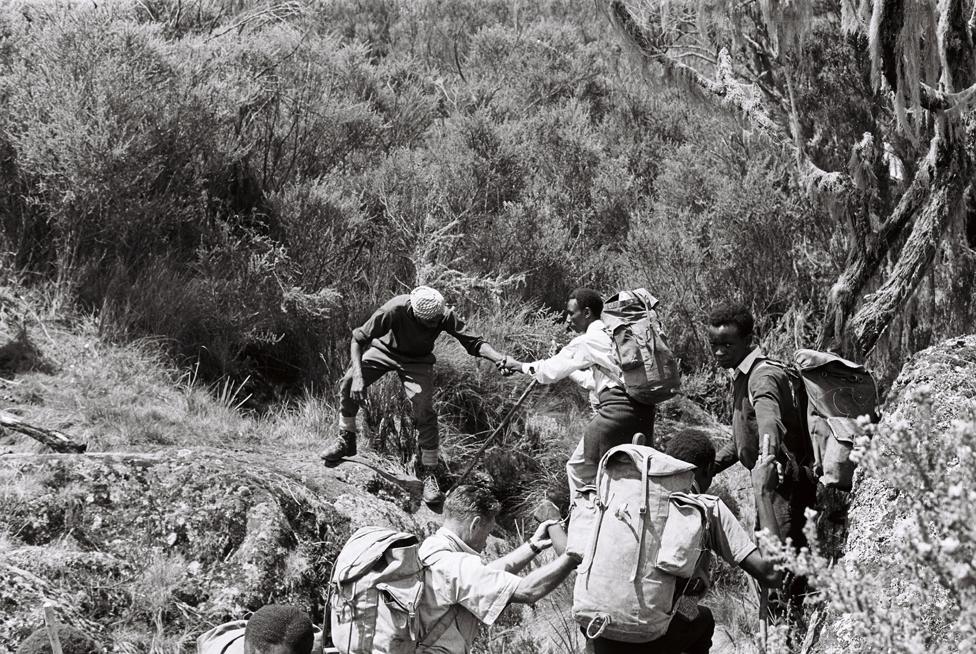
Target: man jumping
x: 399, y: 337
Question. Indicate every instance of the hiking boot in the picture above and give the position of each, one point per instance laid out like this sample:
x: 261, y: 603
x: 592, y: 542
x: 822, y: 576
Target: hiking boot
x: 341, y: 445
x: 432, y: 490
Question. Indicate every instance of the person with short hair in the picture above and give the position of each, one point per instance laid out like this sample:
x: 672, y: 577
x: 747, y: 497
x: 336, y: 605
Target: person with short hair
x: 692, y: 627
x: 72, y: 640
x: 589, y: 360
x: 272, y: 629
x: 765, y: 404
x: 399, y: 337
x: 461, y: 591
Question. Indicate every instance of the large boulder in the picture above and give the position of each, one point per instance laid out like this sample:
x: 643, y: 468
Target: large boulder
x: 145, y: 551
x: 897, y: 584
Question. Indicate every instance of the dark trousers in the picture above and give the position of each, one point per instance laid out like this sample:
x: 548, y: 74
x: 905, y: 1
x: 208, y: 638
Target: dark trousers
x: 683, y: 637
x: 790, y: 501
x: 417, y: 377
x: 616, y: 421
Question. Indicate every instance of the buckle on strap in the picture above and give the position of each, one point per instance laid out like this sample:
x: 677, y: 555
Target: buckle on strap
x: 603, y: 621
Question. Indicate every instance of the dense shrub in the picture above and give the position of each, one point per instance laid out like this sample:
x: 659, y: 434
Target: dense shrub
x: 249, y: 180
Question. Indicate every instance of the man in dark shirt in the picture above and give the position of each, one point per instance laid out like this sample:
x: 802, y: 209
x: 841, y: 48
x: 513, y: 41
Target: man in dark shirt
x: 765, y: 403
x: 399, y: 337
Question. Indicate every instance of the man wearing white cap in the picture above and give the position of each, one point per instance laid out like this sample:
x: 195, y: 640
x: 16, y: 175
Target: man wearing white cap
x: 399, y: 337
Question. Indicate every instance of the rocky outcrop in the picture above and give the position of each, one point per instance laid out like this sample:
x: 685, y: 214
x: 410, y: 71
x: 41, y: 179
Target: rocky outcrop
x: 885, y: 503
x: 145, y: 551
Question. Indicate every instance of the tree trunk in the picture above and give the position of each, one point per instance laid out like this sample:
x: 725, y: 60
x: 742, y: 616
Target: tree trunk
x: 56, y: 440
x: 864, y: 258
x: 945, y: 198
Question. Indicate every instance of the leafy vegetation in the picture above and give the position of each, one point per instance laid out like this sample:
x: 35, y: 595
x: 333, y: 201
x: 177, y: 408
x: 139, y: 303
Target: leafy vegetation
x: 200, y: 198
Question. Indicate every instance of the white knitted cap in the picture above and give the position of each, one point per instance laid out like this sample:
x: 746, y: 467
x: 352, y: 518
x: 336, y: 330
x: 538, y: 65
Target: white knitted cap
x: 427, y: 303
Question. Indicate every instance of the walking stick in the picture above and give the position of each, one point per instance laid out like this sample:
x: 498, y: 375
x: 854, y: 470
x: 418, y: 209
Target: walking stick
x: 763, y: 618
x: 763, y: 591
x: 494, y: 433
x: 51, y: 625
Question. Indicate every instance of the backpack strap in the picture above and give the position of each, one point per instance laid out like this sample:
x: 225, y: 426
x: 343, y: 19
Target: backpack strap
x: 439, y: 628
x: 441, y: 625
x: 773, y: 362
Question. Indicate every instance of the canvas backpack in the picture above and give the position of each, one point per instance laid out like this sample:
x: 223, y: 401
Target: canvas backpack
x: 376, y: 585
x: 650, y: 369
x: 640, y: 536
x: 831, y: 393
x: 838, y: 392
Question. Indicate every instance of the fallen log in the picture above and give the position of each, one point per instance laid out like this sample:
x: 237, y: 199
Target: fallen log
x: 57, y: 441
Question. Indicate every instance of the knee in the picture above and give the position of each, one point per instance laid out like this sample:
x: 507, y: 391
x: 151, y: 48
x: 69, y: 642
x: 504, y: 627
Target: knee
x: 424, y: 413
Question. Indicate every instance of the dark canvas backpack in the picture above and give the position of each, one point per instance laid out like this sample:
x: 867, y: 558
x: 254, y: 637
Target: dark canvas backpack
x: 650, y: 369
x: 838, y: 393
x: 831, y: 393
x: 377, y: 582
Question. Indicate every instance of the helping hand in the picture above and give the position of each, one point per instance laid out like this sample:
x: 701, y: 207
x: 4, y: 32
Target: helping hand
x: 507, y: 366
x: 765, y: 475
x: 541, y: 536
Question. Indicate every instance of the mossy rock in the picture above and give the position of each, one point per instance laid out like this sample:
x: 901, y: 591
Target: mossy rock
x: 142, y: 549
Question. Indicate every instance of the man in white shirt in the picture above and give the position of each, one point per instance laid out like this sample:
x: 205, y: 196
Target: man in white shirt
x: 462, y: 592
x: 589, y: 360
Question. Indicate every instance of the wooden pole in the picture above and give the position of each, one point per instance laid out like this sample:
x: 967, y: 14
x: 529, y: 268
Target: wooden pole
x: 51, y: 625
x: 491, y: 437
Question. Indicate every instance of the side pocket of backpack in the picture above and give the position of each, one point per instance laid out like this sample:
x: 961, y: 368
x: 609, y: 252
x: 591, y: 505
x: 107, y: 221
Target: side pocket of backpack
x: 683, y: 536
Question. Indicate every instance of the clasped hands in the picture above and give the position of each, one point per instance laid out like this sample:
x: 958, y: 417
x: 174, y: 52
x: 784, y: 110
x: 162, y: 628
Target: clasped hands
x: 507, y: 366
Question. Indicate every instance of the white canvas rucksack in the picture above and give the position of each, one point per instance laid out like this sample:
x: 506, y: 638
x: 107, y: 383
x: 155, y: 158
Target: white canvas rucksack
x: 640, y: 536
x: 376, y: 585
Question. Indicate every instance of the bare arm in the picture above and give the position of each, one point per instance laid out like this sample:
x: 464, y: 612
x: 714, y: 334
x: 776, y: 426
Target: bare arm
x: 761, y: 570
x: 516, y: 560
x: 542, y: 581
x: 488, y: 352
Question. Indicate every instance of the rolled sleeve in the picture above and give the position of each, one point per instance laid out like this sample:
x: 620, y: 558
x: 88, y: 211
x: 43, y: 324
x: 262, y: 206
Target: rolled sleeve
x: 483, y: 591
x: 455, y: 327
x: 728, y: 538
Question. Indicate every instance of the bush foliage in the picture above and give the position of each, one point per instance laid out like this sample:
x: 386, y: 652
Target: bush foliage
x: 248, y: 180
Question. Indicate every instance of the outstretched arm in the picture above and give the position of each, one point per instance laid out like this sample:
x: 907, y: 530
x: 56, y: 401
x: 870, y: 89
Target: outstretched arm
x: 486, y: 351
x: 356, y: 361
x: 761, y: 570
x: 765, y: 479
x: 520, y: 557
x: 542, y: 581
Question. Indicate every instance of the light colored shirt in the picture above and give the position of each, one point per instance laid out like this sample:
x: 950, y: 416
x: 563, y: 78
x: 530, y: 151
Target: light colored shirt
x: 726, y: 535
x: 588, y: 359
x: 457, y: 579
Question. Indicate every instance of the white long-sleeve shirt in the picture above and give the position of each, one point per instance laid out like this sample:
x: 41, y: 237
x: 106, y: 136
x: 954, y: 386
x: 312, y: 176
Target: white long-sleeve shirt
x: 588, y: 359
